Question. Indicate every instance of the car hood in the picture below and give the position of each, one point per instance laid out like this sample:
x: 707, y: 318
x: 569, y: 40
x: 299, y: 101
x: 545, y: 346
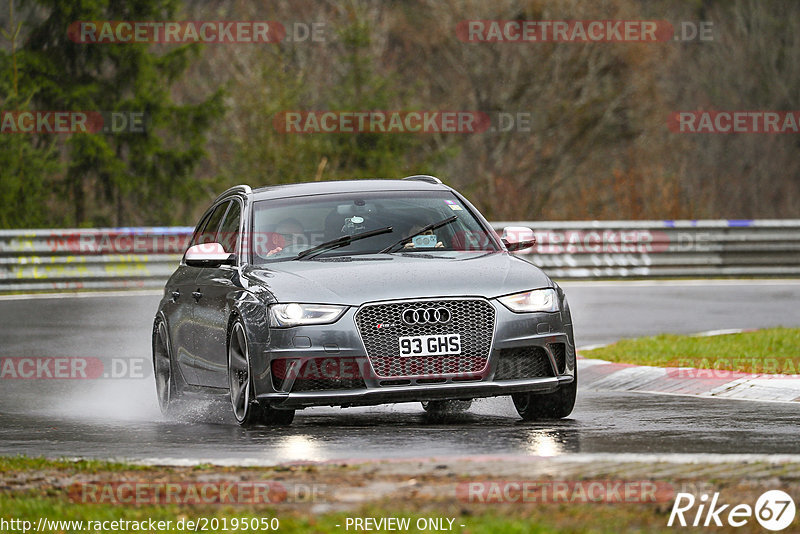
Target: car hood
x: 358, y: 279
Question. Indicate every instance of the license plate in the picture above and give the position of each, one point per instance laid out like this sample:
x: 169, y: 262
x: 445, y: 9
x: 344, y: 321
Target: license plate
x: 430, y: 345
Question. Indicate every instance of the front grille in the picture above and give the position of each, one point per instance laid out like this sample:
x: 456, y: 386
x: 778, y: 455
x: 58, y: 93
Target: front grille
x: 381, y: 326
x: 525, y: 362
x: 559, y: 351
x: 323, y: 374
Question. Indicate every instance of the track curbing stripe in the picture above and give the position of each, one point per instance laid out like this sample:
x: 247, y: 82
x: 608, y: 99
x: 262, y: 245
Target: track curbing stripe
x: 688, y: 381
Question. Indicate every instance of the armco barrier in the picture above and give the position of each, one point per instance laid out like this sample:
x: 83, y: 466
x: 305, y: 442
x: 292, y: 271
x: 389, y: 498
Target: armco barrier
x: 611, y: 249
x: 107, y: 258
x: 112, y: 258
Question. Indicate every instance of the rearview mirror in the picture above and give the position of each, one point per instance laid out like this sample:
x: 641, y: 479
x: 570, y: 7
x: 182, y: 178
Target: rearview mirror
x: 518, y: 238
x: 208, y: 255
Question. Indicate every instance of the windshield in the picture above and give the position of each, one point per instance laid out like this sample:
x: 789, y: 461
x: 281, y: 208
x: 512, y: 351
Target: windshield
x: 284, y: 228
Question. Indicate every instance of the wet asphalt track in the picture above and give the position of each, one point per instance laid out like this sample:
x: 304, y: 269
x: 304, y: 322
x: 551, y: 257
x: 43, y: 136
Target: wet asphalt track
x: 112, y: 418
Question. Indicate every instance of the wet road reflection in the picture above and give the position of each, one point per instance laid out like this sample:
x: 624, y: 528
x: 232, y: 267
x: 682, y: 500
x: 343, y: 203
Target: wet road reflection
x: 115, y: 418
x: 603, y: 422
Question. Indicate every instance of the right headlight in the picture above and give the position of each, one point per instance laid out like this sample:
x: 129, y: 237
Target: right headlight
x: 294, y: 314
x: 538, y: 300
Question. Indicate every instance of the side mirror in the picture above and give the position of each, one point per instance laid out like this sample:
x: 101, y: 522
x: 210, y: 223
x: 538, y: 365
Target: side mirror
x: 208, y: 255
x: 518, y: 238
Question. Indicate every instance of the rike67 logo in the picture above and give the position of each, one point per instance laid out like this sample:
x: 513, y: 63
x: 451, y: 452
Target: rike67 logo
x: 774, y: 510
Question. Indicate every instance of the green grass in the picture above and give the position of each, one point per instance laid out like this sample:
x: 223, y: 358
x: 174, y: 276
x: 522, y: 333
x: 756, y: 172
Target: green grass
x: 49, y: 493
x: 773, y: 350
x: 481, y: 520
x: 25, y: 463
x: 10, y: 464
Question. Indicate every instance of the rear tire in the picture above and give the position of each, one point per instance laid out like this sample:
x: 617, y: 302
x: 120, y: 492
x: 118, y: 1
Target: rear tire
x: 446, y: 406
x: 167, y: 388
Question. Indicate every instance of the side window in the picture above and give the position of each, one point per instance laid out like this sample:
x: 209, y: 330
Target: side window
x: 198, y: 231
x: 209, y: 232
x: 228, y: 235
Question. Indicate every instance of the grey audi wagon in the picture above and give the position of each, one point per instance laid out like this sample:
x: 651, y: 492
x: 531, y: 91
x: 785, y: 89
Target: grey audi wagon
x: 360, y: 292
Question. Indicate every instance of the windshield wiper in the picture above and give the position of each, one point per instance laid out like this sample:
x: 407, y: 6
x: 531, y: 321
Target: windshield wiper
x: 432, y: 226
x: 341, y: 242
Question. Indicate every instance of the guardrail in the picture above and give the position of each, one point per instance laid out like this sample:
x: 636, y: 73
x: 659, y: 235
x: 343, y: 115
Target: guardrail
x: 105, y: 258
x: 112, y: 258
x: 664, y: 249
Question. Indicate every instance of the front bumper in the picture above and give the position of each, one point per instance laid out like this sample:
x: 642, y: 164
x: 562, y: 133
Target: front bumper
x: 389, y: 394
x: 341, y: 340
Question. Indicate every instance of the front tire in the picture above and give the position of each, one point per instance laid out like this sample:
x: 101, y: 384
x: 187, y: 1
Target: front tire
x: 271, y: 416
x: 246, y: 409
x: 555, y: 405
x: 240, y: 383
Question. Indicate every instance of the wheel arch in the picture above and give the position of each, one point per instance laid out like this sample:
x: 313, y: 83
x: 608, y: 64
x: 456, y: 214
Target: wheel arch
x: 252, y: 312
x: 567, y: 322
x: 160, y: 318
x: 179, y: 380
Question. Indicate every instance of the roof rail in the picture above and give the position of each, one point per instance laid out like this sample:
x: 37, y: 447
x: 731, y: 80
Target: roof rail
x: 424, y: 178
x: 243, y: 188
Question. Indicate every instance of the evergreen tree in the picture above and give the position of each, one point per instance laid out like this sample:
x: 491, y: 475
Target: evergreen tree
x: 109, y: 178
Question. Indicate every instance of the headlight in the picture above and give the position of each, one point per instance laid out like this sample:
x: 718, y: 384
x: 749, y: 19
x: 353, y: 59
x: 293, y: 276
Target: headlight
x: 538, y: 300
x: 283, y: 315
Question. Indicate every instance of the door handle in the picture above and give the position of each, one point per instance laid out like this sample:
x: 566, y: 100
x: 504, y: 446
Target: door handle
x: 197, y: 295
x: 175, y: 296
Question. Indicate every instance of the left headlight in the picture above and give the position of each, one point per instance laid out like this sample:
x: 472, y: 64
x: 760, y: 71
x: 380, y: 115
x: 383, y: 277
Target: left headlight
x: 293, y: 314
x: 538, y: 300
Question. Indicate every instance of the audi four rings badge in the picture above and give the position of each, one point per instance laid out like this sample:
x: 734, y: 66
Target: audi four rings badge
x: 426, y: 315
